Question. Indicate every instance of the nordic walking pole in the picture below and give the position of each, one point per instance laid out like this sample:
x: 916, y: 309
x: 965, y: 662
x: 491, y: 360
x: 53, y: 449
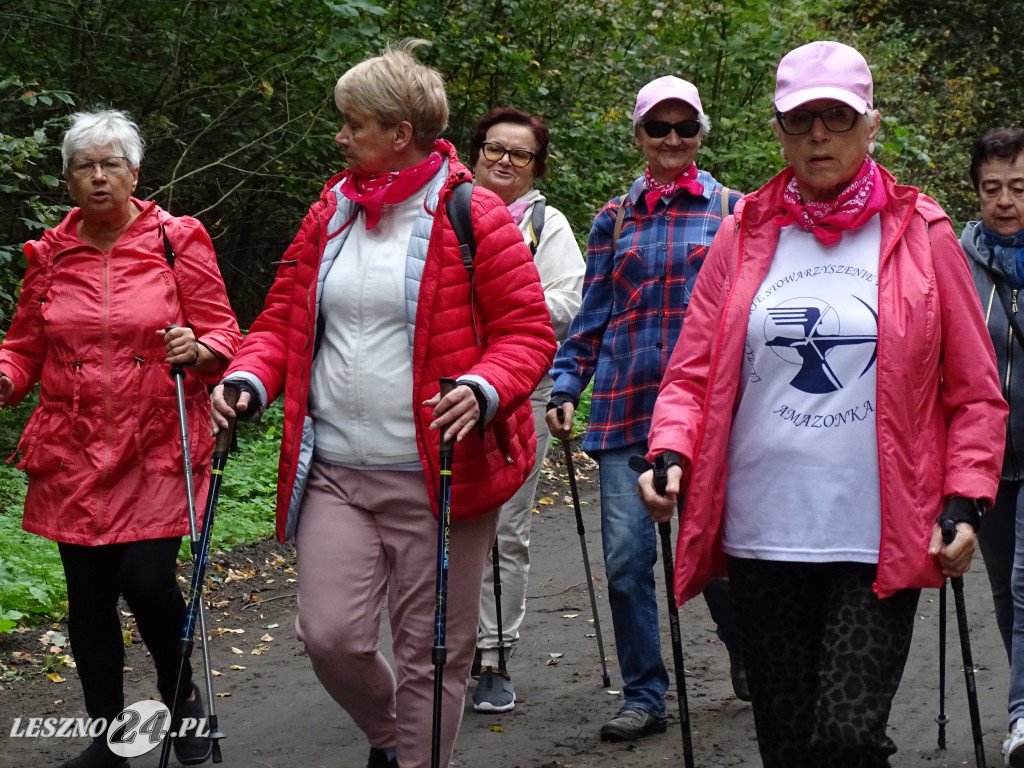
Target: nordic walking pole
x: 639, y: 464
x: 200, y: 552
x: 941, y: 718
x: 439, y: 653
x: 502, y: 670
x: 948, y: 534
x: 567, y: 447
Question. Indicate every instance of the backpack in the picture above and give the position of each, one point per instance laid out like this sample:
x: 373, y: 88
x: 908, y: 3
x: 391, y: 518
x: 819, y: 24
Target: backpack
x: 460, y: 215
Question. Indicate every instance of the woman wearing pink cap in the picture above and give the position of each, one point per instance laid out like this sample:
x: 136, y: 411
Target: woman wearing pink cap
x: 834, y: 395
x: 643, y: 255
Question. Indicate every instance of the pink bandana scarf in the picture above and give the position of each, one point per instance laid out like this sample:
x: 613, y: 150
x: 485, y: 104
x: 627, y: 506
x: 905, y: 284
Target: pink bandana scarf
x: 376, y: 190
x: 859, y: 201
x: 686, y: 180
x: 518, y: 211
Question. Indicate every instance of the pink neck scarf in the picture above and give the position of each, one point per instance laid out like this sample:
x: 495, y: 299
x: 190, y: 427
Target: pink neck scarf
x: 376, y: 190
x: 686, y: 180
x: 518, y: 211
x: 859, y: 201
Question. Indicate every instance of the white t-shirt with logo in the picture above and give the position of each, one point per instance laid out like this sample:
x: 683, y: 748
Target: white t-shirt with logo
x: 803, y: 454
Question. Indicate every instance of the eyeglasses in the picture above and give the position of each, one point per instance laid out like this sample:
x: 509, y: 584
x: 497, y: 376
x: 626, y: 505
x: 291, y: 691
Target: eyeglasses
x: 797, y: 122
x: 685, y: 129
x: 83, y: 169
x: 520, y: 158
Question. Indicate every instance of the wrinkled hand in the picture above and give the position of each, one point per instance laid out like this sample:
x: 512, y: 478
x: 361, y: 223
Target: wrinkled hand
x: 6, y: 390
x: 660, y: 508
x: 456, y: 413
x: 221, y: 413
x: 560, y: 428
x: 955, y: 557
x: 179, y: 345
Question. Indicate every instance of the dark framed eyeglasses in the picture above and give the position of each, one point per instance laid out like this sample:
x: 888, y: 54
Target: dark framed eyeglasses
x: 797, y: 122
x: 685, y: 129
x: 493, y: 151
x: 83, y: 169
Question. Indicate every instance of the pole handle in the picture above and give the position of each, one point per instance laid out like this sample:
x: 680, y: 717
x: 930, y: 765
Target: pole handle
x: 224, y: 436
x: 177, y: 370
x: 447, y: 385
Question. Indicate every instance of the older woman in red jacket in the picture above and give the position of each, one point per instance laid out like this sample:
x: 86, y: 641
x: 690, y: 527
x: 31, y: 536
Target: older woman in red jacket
x: 102, y: 451
x: 833, y: 395
x: 371, y: 306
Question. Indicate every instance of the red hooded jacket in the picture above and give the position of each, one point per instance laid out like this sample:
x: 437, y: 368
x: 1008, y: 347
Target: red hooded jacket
x: 103, y: 449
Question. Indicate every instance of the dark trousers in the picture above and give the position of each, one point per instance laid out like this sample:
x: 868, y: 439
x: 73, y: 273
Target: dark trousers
x: 145, y: 573
x: 824, y: 657
x: 997, y: 539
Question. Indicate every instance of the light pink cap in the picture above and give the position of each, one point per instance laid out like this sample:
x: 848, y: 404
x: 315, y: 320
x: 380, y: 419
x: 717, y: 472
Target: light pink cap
x: 823, y: 70
x: 663, y: 89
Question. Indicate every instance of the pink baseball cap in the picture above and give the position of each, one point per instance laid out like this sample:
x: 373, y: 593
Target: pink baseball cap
x: 823, y: 70
x: 663, y: 89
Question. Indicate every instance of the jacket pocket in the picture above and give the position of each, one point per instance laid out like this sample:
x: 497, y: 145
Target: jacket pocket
x: 628, y: 278
x: 45, y: 444
x: 159, y: 436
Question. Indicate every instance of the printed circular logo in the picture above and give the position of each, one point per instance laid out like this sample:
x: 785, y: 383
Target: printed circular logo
x: 138, y: 728
x: 808, y: 333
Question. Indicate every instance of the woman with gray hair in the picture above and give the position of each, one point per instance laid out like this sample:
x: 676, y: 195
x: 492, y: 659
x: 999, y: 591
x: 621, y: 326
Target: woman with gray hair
x: 102, y: 450
x: 371, y: 306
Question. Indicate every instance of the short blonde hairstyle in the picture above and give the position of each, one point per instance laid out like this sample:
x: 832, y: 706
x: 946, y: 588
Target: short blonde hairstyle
x: 394, y: 87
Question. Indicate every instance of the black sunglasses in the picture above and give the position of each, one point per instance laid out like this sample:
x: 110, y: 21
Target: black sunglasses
x: 685, y: 129
x: 797, y: 122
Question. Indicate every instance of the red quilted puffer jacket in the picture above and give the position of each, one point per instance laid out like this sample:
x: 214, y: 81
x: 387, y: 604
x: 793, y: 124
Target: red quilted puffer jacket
x: 515, y: 349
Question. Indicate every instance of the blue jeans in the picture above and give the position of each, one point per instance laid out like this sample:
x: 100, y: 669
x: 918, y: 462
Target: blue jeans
x: 630, y: 555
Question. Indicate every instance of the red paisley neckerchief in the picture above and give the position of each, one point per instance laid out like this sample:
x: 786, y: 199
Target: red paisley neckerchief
x: 859, y: 201
x: 686, y: 180
x: 376, y: 190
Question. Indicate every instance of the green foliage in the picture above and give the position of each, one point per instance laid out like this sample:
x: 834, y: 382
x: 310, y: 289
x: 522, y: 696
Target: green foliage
x: 32, y: 585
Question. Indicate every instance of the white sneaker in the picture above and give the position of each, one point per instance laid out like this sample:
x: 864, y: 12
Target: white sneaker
x: 1013, y: 745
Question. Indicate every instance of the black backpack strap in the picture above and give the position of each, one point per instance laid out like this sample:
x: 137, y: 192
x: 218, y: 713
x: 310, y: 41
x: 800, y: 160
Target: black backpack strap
x: 461, y: 217
x: 169, y: 253
x: 536, y: 225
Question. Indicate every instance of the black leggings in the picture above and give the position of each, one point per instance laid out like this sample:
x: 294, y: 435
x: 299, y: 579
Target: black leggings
x: 824, y: 657
x: 145, y: 573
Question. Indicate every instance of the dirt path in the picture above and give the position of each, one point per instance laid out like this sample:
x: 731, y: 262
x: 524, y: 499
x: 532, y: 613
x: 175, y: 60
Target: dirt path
x: 276, y: 715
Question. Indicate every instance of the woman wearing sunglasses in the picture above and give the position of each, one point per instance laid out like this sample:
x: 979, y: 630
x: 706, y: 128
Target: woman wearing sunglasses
x: 643, y: 255
x: 833, y: 401
x: 508, y: 152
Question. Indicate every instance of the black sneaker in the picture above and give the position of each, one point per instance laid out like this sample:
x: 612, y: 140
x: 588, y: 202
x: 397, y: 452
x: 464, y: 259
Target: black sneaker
x: 191, y: 749
x: 97, y: 755
x: 379, y: 759
x: 632, y: 724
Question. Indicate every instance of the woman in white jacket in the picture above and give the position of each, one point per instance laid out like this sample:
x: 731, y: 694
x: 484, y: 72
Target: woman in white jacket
x: 508, y: 152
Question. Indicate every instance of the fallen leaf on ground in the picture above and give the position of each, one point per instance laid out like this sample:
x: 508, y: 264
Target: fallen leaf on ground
x: 237, y: 650
x: 223, y: 695
x: 55, y: 677
x: 266, y: 639
x: 237, y: 666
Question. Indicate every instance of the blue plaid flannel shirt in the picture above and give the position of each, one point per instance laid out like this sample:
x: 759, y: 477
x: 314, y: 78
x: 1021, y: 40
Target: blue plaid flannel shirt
x: 634, y: 295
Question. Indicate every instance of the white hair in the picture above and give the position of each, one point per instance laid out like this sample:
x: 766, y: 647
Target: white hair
x: 97, y: 129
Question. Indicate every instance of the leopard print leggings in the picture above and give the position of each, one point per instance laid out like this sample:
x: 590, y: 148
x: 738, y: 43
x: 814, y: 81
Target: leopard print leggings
x: 824, y: 657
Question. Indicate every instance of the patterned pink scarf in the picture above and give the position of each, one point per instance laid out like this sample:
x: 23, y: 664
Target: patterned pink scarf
x: 376, y: 190
x: 859, y: 201
x: 686, y: 180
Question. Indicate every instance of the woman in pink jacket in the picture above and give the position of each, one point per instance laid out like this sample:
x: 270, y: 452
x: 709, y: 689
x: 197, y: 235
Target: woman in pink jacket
x: 102, y: 451
x: 832, y: 396
x: 372, y: 305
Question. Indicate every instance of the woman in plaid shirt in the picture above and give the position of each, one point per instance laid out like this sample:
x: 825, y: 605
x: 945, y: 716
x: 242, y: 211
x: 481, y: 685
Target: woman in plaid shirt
x: 643, y: 254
